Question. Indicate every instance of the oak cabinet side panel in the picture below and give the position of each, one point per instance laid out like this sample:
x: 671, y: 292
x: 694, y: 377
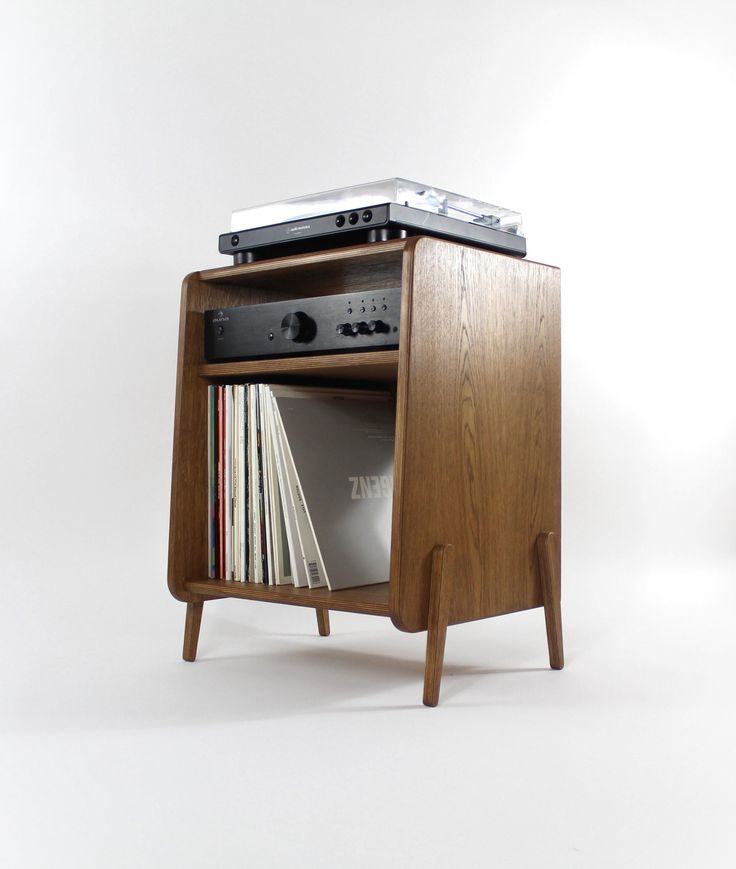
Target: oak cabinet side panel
x: 188, y: 517
x: 481, y: 438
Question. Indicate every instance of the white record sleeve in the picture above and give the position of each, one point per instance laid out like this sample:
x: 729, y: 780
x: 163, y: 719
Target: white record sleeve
x: 314, y: 566
x: 277, y: 539
x: 296, y: 554
x: 339, y: 445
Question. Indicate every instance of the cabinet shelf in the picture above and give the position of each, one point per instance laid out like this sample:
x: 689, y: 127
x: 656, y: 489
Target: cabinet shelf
x: 378, y: 365
x: 367, y: 599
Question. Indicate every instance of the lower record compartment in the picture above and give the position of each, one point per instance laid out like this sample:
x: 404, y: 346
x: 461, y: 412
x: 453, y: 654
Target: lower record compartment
x: 366, y: 599
x: 299, y: 488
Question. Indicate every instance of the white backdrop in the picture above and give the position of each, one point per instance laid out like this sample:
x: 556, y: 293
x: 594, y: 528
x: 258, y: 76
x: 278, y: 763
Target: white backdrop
x: 129, y: 133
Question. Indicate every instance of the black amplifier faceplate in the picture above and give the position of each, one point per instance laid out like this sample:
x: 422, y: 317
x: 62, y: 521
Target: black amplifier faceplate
x: 322, y: 324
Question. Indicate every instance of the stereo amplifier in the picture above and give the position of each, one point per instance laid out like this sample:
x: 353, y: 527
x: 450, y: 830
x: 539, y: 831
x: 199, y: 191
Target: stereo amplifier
x: 323, y: 324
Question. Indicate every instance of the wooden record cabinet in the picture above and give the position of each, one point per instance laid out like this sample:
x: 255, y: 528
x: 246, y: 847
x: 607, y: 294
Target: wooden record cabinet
x: 476, y: 504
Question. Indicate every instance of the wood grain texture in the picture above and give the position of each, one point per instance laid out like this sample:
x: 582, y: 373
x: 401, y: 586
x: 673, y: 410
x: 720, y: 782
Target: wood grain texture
x: 191, y: 629
x: 188, y: 516
x: 370, y: 600
x: 376, y: 365
x: 548, y: 558
x: 478, y: 429
x: 400, y: 442
x: 323, y: 622
x: 439, y: 610
x: 362, y: 268
x: 187, y: 523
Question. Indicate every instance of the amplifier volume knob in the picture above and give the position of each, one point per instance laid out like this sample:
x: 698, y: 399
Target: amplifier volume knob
x: 345, y: 329
x: 298, y: 327
x: 377, y: 326
x: 359, y: 328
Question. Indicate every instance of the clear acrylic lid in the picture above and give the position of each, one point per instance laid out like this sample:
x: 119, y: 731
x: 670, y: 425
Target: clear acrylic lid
x: 395, y: 190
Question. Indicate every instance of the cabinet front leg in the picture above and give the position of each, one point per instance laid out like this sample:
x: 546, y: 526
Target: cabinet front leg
x: 191, y: 629
x: 549, y: 573
x: 323, y: 621
x: 439, y: 613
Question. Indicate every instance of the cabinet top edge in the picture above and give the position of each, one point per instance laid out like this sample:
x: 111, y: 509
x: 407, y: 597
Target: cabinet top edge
x: 432, y: 241
x: 345, y: 255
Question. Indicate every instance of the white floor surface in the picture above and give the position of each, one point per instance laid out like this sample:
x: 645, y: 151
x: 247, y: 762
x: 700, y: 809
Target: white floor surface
x: 281, y: 748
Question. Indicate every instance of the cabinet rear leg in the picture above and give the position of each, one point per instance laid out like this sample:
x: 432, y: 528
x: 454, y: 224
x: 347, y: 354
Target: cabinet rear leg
x: 323, y: 621
x: 549, y: 572
x: 439, y: 613
x: 191, y: 629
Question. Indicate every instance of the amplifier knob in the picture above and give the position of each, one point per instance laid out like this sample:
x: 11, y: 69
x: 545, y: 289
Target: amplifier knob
x: 377, y: 326
x: 298, y: 327
x: 345, y: 329
x: 359, y: 328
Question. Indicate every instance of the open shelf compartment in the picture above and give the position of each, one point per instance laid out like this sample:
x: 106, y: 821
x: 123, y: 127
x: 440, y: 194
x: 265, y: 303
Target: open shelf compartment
x: 365, y: 599
x: 350, y: 270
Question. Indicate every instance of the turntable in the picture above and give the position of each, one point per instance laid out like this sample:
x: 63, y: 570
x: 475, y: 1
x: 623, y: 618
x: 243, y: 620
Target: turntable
x: 383, y: 210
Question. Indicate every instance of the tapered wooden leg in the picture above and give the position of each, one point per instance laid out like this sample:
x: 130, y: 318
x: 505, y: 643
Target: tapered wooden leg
x: 549, y: 571
x: 323, y: 621
x: 439, y: 613
x: 191, y: 629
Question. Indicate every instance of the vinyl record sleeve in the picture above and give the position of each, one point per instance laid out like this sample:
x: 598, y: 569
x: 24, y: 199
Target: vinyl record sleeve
x: 241, y: 466
x: 278, y: 539
x: 293, y: 540
x: 229, y: 560
x: 255, y: 572
x: 342, y: 445
x: 315, y: 575
x: 221, y: 482
x: 212, y: 504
